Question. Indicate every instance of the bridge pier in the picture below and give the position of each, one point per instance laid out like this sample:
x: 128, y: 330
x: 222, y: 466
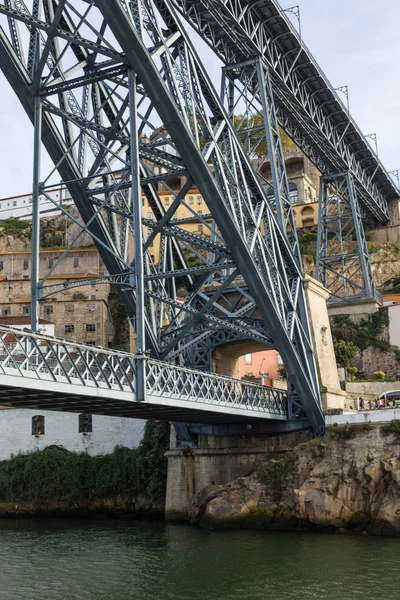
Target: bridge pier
x: 218, y: 459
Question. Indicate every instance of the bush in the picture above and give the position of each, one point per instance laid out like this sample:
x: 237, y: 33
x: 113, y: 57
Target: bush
x: 282, y: 371
x: 345, y: 352
x: 55, y: 474
x: 379, y: 375
x: 392, y: 427
x: 348, y: 432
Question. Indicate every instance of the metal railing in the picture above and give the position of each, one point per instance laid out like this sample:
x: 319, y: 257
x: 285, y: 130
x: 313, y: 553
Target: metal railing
x: 35, y: 356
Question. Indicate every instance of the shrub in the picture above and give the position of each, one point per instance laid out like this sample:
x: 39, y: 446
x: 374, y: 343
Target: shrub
x: 379, y: 375
x: 392, y: 427
x: 282, y: 371
x: 55, y: 474
x: 345, y: 352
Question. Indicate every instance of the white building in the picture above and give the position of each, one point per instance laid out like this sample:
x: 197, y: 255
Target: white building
x: 20, y: 207
x: 26, y: 430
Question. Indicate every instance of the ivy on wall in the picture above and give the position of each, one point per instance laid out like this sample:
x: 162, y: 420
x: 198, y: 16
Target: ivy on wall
x: 366, y: 332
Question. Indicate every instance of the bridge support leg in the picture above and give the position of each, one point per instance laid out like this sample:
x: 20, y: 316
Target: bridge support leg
x: 35, y: 289
x: 343, y: 265
x: 138, y: 277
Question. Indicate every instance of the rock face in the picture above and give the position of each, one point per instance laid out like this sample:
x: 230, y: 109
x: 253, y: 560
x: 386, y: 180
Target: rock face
x: 349, y: 481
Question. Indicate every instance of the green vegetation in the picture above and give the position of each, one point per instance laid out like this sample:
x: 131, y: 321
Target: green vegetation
x: 345, y: 352
x: 282, y: 371
x: 15, y: 227
x: 308, y: 244
x: 55, y: 474
x: 363, y: 333
x: 392, y: 427
x: 257, y: 137
x: 379, y: 375
x: 120, y: 322
x: 348, y: 432
x: 275, y: 475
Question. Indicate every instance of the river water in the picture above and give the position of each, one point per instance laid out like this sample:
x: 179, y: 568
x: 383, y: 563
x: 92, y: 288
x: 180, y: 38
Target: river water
x: 134, y: 560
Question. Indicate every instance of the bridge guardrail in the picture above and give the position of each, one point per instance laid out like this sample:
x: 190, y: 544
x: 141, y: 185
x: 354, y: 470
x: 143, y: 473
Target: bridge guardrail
x: 31, y: 355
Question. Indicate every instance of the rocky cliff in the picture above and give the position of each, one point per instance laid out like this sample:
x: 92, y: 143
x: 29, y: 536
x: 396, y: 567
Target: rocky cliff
x: 348, y: 481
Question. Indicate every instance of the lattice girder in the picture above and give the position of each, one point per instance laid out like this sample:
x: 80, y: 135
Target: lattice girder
x: 91, y: 144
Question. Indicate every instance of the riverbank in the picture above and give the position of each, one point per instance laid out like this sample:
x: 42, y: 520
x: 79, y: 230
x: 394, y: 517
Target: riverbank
x: 348, y: 481
x: 56, y: 482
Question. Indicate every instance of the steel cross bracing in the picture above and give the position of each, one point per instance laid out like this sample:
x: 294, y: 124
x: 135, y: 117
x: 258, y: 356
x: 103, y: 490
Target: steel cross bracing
x: 248, y: 86
x: 55, y: 374
x: 248, y: 283
x: 308, y: 107
x: 343, y: 265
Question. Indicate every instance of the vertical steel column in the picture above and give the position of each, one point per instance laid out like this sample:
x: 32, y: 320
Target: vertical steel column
x: 343, y: 265
x: 138, y: 241
x: 257, y: 93
x: 35, y: 291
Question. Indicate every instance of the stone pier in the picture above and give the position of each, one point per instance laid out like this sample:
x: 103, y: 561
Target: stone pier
x: 217, y: 460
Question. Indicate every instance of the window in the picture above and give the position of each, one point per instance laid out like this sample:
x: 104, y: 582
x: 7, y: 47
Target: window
x: 200, y: 228
x: 142, y: 201
x: 150, y: 215
x: 38, y: 425
x: 90, y: 307
x: 26, y: 276
x: 90, y: 343
x: 48, y: 309
x: 85, y: 423
x: 293, y: 195
x: 69, y: 328
x: 76, y: 262
x: 26, y: 263
x: 166, y: 201
x: 93, y: 297
x: 91, y: 327
x: 69, y: 308
x: 248, y: 359
x: 199, y: 200
x: 14, y: 203
x: 51, y: 263
x: 6, y: 310
x: 30, y: 200
x: 26, y: 310
x: 1, y: 265
x: 191, y: 200
x: 199, y: 212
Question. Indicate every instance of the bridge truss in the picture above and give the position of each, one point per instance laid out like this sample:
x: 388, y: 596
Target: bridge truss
x: 94, y: 77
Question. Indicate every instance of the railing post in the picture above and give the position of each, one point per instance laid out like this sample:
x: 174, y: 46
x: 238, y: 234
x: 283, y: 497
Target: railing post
x: 138, y: 232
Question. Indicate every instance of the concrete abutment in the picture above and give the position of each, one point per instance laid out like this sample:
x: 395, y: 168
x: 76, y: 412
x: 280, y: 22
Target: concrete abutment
x: 218, y: 460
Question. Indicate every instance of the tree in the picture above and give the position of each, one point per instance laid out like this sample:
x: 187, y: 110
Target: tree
x: 345, y: 352
x: 253, y: 130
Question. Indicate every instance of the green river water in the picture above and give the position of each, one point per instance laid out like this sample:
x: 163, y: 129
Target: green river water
x: 136, y: 560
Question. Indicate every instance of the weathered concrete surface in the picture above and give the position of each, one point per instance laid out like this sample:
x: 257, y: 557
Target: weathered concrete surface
x: 349, y: 481
x: 332, y: 395
x: 218, y: 460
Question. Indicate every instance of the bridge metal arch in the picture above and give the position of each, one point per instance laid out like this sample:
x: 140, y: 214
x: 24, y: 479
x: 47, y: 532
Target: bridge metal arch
x: 199, y: 142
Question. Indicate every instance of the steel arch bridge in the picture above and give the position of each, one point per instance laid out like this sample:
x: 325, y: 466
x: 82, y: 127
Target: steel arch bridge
x: 95, y: 76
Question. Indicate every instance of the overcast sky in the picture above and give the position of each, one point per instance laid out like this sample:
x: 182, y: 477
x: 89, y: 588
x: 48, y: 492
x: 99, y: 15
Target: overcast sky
x: 356, y: 42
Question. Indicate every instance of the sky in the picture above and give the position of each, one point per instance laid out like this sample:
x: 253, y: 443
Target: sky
x: 355, y: 42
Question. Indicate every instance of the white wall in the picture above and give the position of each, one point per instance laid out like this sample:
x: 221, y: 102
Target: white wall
x: 21, y: 206
x: 62, y: 429
x: 394, y: 324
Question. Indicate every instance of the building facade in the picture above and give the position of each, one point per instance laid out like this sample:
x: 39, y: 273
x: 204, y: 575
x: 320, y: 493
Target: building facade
x: 25, y: 430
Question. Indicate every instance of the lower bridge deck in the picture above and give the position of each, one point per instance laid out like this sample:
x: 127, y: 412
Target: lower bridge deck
x: 48, y: 373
